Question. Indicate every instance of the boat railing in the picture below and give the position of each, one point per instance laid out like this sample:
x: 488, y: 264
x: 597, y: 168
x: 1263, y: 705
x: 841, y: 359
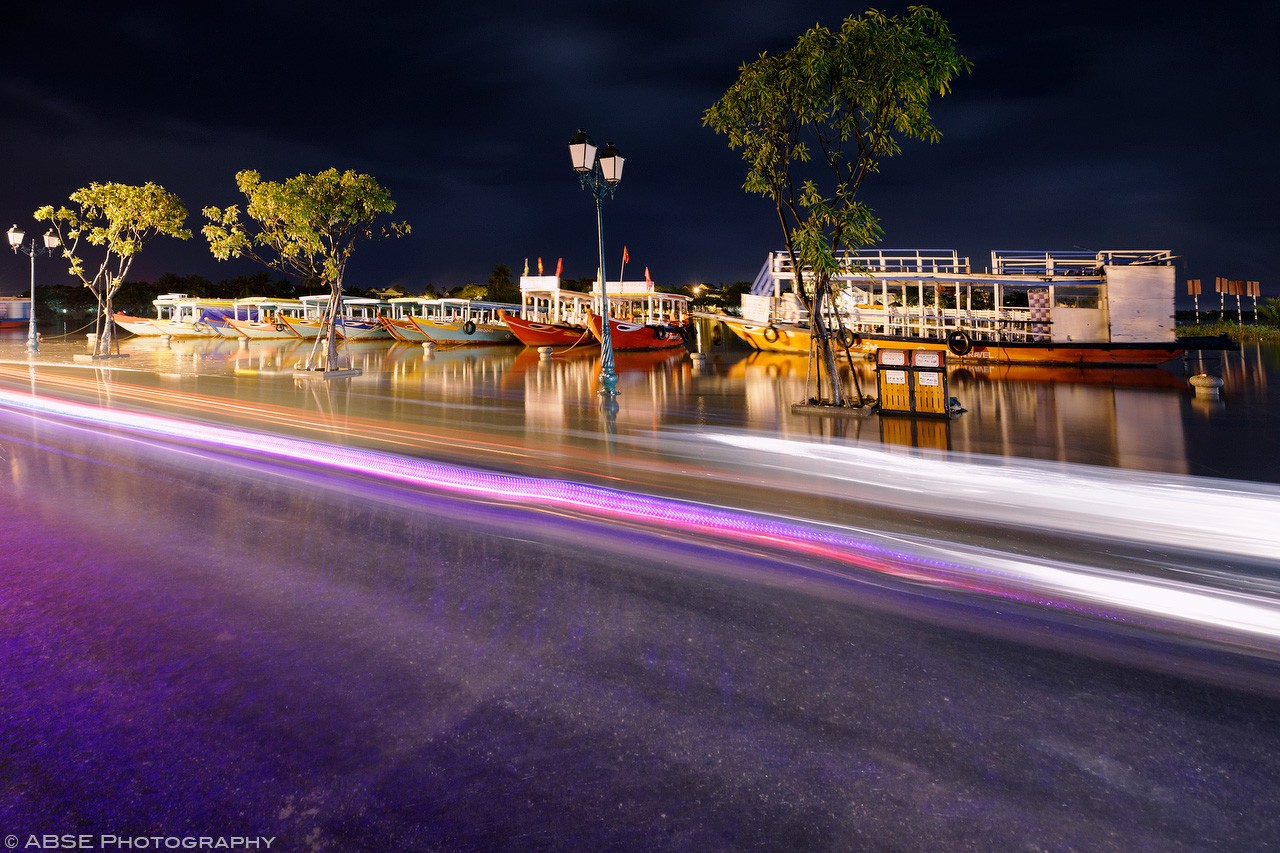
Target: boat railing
x: 1072, y: 262
x: 864, y: 261
x: 1008, y: 323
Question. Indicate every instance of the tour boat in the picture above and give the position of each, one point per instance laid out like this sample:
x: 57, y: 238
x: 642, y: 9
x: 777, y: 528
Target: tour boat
x: 179, y: 316
x: 398, y: 321
x: 359, y: 319
x: 1113, y: 307
x: 626, y: 336
x: 463, y: 322
x: 258, y: 318
x: 549, y: 315
x: 642, y: 318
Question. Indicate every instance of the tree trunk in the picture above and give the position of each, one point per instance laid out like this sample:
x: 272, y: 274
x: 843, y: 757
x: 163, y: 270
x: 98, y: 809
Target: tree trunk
x: 822, y: 337
x: 331, y: 361
x: 105, y: 343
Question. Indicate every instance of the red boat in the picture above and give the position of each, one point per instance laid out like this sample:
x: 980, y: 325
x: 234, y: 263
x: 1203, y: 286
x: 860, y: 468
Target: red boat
x: 533, y: 334
x: 635, y: 337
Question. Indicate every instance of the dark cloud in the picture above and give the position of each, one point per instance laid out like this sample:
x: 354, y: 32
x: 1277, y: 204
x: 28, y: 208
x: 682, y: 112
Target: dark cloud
x: 1084, y: 126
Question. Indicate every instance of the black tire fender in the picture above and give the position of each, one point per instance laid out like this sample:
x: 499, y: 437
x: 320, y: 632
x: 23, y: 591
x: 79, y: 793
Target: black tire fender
x: 469, y: 327
x: 770, y: 334
x: 959, y: 343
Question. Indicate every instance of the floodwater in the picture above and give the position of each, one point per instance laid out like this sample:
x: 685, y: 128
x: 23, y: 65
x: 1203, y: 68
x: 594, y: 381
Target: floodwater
x: 457, y: 603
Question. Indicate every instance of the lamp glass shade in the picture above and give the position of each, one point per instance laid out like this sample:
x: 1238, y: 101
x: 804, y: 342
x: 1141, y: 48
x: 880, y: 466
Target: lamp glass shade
x: 51, y: 240
x: 611, y: 164
x: 15, y: 236
x: 582, y: 152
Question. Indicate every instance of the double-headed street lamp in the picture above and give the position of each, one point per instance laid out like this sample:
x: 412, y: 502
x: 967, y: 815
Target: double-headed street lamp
x: 51, y: 242
x: 600, y: 175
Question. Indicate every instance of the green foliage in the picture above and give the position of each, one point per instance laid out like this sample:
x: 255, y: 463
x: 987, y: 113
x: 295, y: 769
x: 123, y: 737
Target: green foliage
x: 470, y: 291
x: 844, y: 100
x: 501, y: 287
x: 116, y: 220
x: 1268, y: 312
x: 306, y: 226
x: 814, y: 121
x: 1246, y: 332
x: 105, y: 230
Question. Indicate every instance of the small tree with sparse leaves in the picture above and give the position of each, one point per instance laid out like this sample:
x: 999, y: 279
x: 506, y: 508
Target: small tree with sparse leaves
x: 102, y: 234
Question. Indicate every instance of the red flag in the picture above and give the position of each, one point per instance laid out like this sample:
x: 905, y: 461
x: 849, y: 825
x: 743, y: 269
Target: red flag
x: 626, y: 256
x: 559, y: 266
x: 539, y: 266
x: 648, y: 280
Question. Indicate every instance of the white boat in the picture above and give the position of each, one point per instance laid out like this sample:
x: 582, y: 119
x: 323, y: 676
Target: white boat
x: 464, y: 322
x: 359, y: 318
x: 398, y: 321
x: 259, y: 318
x: 1113, y: 307
x: 179, y: 316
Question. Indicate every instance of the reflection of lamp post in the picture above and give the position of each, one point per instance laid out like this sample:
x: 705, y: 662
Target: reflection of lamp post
x: 51, y: 242
x: 600, y: 175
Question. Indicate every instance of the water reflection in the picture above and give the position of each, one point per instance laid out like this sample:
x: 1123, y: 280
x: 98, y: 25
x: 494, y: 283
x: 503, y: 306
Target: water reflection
x: 1143, y: 418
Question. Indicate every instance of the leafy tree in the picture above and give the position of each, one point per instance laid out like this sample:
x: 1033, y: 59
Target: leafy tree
x: 192, y: 285
x: 469, y: 291
x: 307, y: 226
x: 258, y: 284
x: 501, y: 287
x: 111, y: 222
x: 1268, y: 312
x: 837, y: 104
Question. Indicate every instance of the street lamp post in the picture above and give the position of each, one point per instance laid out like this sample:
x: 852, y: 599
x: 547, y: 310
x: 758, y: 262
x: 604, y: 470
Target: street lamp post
x: 600, y: 175
x: 51, y: 242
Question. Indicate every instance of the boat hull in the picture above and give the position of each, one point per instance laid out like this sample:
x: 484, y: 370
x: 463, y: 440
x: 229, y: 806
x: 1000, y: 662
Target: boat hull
x: 141, y: 326
x: 468, y: 333
x: 404, y: 330
x: 533, y: 334
x: 349, y: 331
x: 261, y: 331
x: 796, y: 339
x: 637, y: 337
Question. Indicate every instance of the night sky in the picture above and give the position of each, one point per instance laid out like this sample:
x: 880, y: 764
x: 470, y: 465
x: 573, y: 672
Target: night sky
x: 1083, y: 125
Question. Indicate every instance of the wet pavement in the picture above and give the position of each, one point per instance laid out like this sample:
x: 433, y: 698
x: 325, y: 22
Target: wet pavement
x: 205, y: 636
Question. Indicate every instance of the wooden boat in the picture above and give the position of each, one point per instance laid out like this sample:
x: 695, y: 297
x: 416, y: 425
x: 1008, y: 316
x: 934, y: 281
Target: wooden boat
x: 179, y: 316
x: 1113, y: 308
x: 549, y: 315
x: 642, y: 318
x: 399, y: 320
x: 359, y: 318
x: 637, y: 337
x: 258, y: 318
x: 463, y: 322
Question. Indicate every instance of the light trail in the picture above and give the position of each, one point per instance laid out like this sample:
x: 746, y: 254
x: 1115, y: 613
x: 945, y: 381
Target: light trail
x: 1244, y: 621
x: 1166, y: 510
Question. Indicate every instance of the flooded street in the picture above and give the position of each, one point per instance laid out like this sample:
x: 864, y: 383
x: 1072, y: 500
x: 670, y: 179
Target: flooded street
x: 456, y: 603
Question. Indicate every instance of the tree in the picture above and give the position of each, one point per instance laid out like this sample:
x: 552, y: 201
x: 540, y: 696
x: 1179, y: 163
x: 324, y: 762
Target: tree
x: 836, y: 104
x: 307, y: 226
x: 1268, y: 312
x: 112, y: 222
x: 501, y: 287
